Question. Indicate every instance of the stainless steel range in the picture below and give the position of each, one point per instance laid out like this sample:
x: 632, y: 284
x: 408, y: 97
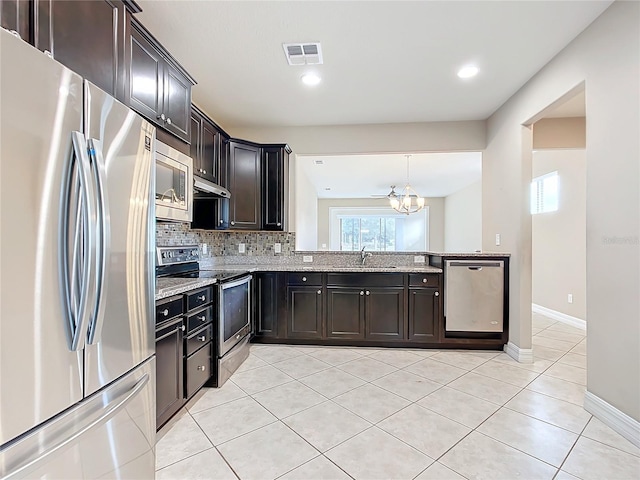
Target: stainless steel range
x: 234, y: 304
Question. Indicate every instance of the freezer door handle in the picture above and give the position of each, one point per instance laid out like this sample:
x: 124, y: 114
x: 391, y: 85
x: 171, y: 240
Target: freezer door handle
x: 116, y: 405
x: 76, y: 278
x: 103, y: 245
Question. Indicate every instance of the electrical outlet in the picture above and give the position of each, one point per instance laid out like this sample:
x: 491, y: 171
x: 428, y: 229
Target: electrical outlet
x: 570, y: 297
x: 419, y: 259
x: 277, y: 248
x: 204, y: 247
x: 241, y: 248
x: 307, y: 258
x: 497, y: 239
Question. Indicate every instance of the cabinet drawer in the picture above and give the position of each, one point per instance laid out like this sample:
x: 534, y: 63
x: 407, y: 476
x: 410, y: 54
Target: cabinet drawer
x: 363, y: 280
x: 199, y: 298
x: 168, y: 308
x: 199, y: 319
x: 303, y: 278
x: 198, y: 369
x: 199, y: 338
x: 424, y: 279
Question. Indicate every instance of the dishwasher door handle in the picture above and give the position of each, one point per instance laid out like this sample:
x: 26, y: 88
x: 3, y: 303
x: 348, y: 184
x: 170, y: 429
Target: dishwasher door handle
x: 474, y: 268
x: 474, y: 264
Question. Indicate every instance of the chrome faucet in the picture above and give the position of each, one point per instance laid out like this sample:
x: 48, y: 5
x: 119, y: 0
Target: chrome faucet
x: 364, y: 255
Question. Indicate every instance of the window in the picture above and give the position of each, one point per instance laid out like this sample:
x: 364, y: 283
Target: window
x: 378, y: 229
x: 375, y: 233
x: 544, y: 193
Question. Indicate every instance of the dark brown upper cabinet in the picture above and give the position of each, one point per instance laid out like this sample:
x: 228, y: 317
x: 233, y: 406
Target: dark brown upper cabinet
x: 159, y: 88
x: 89, y: 37
x: 244, y: 183
x: 275, y: 187
x: 15, y: 16
x: 207, y: 143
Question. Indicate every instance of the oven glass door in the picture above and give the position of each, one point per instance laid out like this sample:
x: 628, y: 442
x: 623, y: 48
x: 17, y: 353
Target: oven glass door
x: 171, y: 183
x: 235, y: 312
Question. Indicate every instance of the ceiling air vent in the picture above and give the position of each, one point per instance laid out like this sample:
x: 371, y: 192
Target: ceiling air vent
x: 319, y: 162
x: 303, y: 53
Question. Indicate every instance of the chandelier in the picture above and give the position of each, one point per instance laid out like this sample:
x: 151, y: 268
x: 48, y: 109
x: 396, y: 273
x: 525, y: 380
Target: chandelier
x: 407, y: 201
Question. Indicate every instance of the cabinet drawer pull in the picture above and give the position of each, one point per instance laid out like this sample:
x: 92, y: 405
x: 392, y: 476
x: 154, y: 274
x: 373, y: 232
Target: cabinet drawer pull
x: 361, y: 292
x: 183, y: 328
x: 304, y: 279
x: 165, y: 312
x: 204, y: 171
x: 168, y: 120
x: 368, y: 292
x: 278, y: 224
x: 424, y: 280
x: 233, y: 223
x: 202, y: 298
x: 437, y: 294
x: 201, y: 368
x: 202, y: 338
x: 237, y: 336
x: 203, y: 318
x: 162, y: 116
x: 319, y: 292
x: 221, y: 222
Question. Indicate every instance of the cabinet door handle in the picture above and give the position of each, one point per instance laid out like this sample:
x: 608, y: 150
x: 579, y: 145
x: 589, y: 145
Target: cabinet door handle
x: 424, y: 280
x: 183, y: 328
x: 221, y: 222
x: 202, y: 338
x: 237, y: 336
x: 233, y: 223
x: 162, y: 116
x: 165, y: 312
x: 304, y: 279
x: 437, y: 294
x: 368, y: 292
x: 201, y: 368
x: 361, y: 292
x: 204, y: 171
x: 168, y: 120
x: 278, y: 224
x: 203, y: 318
x: 319, y: 292
x: 202, y: 298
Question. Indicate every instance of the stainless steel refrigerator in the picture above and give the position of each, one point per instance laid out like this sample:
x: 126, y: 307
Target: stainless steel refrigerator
x: 77, y: 363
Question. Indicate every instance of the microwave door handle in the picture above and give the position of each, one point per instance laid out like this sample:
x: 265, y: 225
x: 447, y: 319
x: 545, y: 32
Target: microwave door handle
x: 104, y: 240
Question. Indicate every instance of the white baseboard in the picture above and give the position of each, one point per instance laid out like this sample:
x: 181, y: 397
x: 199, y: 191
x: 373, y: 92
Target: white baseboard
x: 622, y: 423
x: 561, y: 317
x: 522, y: 355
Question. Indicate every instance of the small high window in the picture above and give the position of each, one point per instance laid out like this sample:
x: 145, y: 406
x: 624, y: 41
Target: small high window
x: 544, y: 193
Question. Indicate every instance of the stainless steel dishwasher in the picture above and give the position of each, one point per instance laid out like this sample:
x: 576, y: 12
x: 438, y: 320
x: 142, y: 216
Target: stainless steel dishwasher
x: 474, y: 295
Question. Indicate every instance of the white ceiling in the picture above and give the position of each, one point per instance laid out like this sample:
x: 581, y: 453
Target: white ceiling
x: 361, y: 176
x: 384, y: 61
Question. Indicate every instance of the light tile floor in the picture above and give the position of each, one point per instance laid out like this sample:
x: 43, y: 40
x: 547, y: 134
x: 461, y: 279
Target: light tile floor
x: 311, y: 413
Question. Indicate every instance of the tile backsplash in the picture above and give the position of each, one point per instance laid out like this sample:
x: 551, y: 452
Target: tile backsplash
x: 224, y: 243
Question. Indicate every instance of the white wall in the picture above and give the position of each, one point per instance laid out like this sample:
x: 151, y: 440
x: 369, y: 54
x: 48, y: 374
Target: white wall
x: 606, y: 58
x: 305, y: 206
x: 436, y: 217
x: 559, y: 255
x: 463, y: 219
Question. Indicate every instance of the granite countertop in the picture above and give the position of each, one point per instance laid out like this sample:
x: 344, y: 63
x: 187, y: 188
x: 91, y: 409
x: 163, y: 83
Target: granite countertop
x: 469, y: 254
x: 166, y: 287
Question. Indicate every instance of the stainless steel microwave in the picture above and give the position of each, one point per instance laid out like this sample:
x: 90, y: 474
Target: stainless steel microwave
x: 174, y: 184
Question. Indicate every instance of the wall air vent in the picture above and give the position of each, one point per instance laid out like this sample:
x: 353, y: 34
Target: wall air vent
x: 319, y: 162
x: 303, y: 53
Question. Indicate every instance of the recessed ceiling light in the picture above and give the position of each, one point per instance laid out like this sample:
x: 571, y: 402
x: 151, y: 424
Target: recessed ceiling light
x: 310, y: 79
x: 468, y: 71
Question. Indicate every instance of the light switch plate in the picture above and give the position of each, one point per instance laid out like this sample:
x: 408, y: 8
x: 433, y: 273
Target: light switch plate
x: 277, y: 247
x: 204, y: 247
x: 419, y: 259
x: 307, y: 258
x: 241, y: 248
x: 497, y: 239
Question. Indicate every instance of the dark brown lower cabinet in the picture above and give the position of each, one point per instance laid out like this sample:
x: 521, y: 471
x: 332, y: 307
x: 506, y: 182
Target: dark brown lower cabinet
x: 424, y: 314
x: 268, y: 291
x: 198, y: 369
x: 305, y: 312
x: 345, y: 313
x: 384, y: 314
x: 169, y: 369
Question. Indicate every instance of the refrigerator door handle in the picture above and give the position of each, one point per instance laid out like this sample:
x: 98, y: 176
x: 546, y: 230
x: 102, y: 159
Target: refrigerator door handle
x: 103, y: 245
x: 118, y: 404
x: 78, y: 314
